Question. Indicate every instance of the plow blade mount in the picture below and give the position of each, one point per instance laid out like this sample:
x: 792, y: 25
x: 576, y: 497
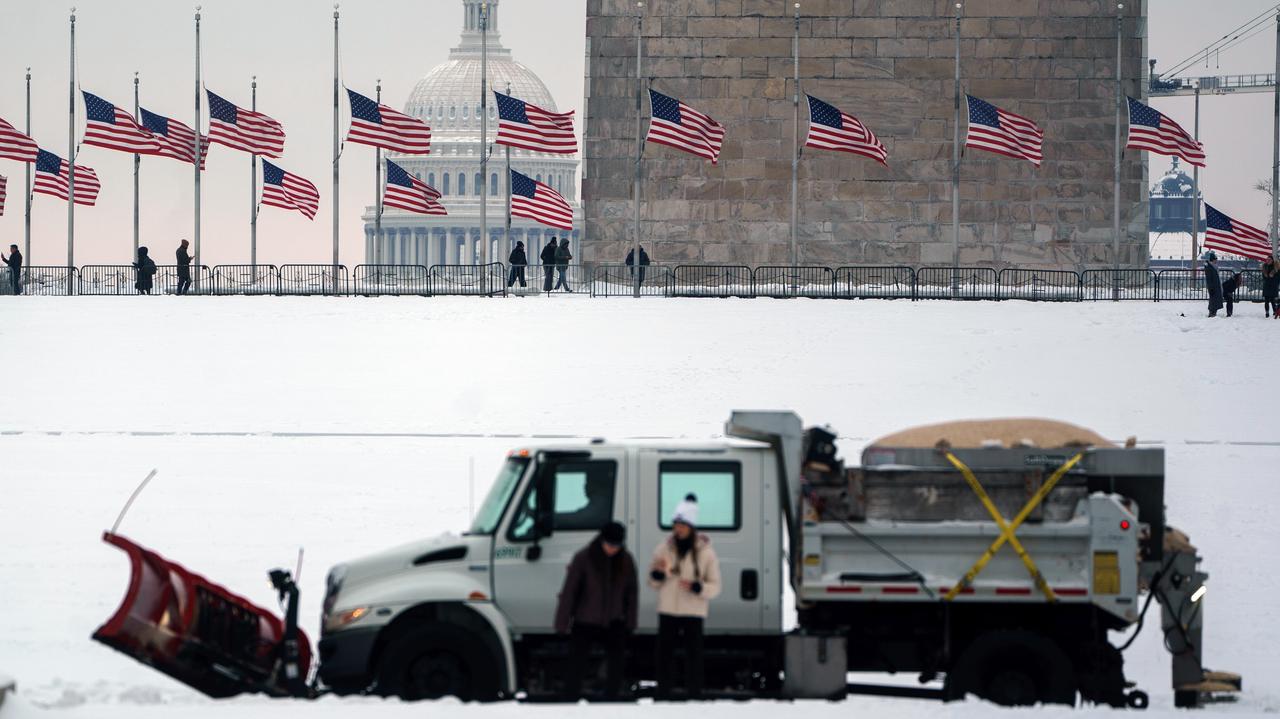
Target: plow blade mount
x: 198, y: 632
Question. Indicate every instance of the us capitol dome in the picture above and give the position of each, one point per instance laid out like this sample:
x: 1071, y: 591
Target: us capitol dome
x: 448, y: 99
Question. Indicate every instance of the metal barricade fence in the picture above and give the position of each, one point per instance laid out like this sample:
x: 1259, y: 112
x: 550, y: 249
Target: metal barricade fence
x: 313, y: 279
x: 620, y: 281
x: 1190, y: 285
x: 563, y: 279
x: 789, y: 281
x: 245, y: 280
x: 165, y: 281
x: 875, y: 282
x: 107, y: 280
x: 484, y: 280
x: 957, y: 283
x: 390, y: 280
x: 711, y: 281
x: 1039, y: 285
x: 39, y: 280
x: 1118, y: 285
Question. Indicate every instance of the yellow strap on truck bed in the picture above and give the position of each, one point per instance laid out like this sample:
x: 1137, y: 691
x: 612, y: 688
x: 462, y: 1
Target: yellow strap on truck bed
x: 1008, y: 530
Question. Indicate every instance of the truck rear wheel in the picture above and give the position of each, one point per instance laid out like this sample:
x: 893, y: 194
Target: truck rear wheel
x: 1013, y: 668
x: 434, y: 661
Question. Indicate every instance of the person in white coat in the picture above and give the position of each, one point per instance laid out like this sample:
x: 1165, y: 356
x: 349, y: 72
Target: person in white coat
x: 686, y: 574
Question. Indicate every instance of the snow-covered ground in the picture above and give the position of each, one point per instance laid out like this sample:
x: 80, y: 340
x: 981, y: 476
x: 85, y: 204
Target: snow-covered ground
x: 347, y: 425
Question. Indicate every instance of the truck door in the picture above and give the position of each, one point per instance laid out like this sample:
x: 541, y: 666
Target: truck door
x: 560, y: 510
x: 727, y: 485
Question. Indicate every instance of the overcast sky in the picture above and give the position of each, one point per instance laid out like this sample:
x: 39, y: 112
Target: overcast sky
x: 288, y: 45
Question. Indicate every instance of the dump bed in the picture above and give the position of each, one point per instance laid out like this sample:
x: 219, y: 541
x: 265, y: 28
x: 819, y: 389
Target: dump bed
x: 909, y: 525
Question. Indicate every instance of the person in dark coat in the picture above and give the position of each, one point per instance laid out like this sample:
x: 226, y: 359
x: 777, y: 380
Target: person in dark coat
x: 1271, y: 288
x: 1212, y: 283
x: 184, y: 268
x: 146, y: 269
x: 644, y: 262
x: 597, y: 605
x: 548, y: 258
x: 14, y: 261
x: 563, y: 258
x: 517, y: 260
x: 1229, y: 289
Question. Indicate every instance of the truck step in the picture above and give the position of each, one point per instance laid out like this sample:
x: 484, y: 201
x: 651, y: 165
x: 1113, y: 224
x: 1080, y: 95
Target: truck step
x: 886, y: 690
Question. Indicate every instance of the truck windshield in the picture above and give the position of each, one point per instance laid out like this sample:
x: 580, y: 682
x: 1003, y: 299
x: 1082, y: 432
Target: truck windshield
x: 486, y: 520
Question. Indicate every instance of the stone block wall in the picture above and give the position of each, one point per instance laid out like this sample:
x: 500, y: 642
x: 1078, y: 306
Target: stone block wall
x: 891, y: 64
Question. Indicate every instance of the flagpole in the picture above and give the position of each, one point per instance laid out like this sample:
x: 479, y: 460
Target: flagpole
x: 1195, y: 190
x: 1115, y: 211
x: 71, y: 158
x: 1275, y: 149
x: 955, y: 168
x: 507, y: 178
x: 336, y: 148
x: 253, y: 191
x: 377, y: 195
x: 137, y: 165
x: 795, y: 141
x: 26, y: 222
x: 196, y: 161
x: 635, y: 238
x: 484, y: 134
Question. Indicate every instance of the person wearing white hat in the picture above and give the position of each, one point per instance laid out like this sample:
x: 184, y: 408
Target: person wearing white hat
x: 686, y: 574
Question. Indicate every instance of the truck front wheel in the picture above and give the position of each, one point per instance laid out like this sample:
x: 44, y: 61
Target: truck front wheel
x: 434, y: 661
x: 1013, y: 668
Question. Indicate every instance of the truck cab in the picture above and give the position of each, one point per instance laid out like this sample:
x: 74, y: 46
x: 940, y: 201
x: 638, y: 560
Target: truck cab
x: 471, y: 615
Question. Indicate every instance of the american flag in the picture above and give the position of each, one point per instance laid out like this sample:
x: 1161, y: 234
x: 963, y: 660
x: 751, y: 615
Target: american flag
x: 1003, y: 132
x: 176, y: 139
x: 16, y: 146
x: 243, y: 129
x: 538, y: 202
x: 1150, y: 130
x: 378, y: 125
x: 832, y: 129
x: 108, y: 126
x: 1233, y: 236
x: 677, y: 125
x: 529, y: 127
x: 288, y: 191
x: 406, y: 192
x: 52, y: 179
x: 3, y: 181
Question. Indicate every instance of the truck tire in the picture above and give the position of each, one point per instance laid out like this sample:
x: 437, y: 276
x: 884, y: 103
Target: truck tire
x: 1013, y: 668
x: 437, y: 660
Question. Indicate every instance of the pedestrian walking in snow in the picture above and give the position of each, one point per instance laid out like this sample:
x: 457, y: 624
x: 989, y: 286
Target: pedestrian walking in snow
x: 548, y: 259
x: 644, y: 263
x: 184, y: 268
x: 686, y: 574
x: 517, y: 260
x: 1212, y: 283
x: 146, y: 269
x: 14, y: 261
x: 1229, y: 288
x: 563, y: 258
x: 1271, y: 288
x: 597, y: 607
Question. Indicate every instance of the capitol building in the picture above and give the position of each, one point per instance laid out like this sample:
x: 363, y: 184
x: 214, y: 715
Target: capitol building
x: 448, y: 99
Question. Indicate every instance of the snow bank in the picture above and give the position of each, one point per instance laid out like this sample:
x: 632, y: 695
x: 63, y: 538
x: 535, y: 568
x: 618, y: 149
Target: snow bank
x: 348, y: 425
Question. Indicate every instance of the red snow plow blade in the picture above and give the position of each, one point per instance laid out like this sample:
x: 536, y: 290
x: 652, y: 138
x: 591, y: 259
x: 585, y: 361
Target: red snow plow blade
x: 198, y: 632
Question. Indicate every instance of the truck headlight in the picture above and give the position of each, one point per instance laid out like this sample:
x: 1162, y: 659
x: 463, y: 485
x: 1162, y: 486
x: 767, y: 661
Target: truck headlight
x: 342, y: 619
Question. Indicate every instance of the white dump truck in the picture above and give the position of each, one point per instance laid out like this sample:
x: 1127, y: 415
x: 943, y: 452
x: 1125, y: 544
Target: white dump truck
x: 992, y: 556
